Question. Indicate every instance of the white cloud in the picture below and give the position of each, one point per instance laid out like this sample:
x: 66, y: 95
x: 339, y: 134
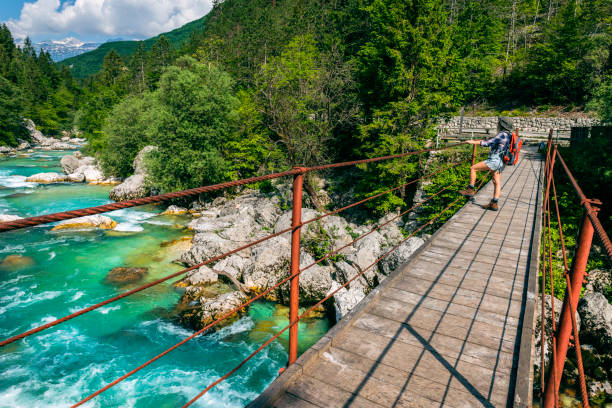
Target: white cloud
x: 105, y: 18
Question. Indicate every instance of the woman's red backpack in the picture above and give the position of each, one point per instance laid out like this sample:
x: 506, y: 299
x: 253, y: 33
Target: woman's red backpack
x: 513, y: 148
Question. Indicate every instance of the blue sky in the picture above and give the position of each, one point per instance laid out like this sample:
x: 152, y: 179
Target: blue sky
x: 10, y: 9
x: 98, y: 20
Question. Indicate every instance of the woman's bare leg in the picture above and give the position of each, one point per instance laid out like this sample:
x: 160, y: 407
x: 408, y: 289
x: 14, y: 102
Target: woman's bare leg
x: 497, y: 184
x: 477, y: 167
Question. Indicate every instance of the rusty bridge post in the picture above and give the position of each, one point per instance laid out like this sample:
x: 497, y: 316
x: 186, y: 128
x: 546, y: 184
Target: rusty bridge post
x: 564, y: 329
x: 294, y: 294
x: 473, y: 154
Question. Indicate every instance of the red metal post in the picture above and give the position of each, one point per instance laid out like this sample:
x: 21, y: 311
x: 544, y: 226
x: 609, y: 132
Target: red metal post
x: 294, y: 295
x: 564, y: 331
x: 473, y: 154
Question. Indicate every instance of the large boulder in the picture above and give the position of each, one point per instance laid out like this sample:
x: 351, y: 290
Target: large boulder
x: 139, y: 160
x: 368, y: 249
x: 90, y: 221
x: 23, y: 145
x: 133, y: 187
x: 70, y: 163
x: 598, y: 281
x: 15, y: 262
x: 35, y: 134
x: 400, y: 255
x: 204, y: 311
x: 47, y: 178
x: 269, y: 265
x: 204, y: 246
x: 596, y: 315
x: 345, y: 299
x: 201, y: 276
x: 7, y: 150
x: 92, y: 173
x: 123, y: 275
x: 548, y: 328
x: 232, y: 265
x: 314, y: 281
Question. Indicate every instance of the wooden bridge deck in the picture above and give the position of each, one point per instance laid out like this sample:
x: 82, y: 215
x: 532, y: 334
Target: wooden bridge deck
x: 446, y: 329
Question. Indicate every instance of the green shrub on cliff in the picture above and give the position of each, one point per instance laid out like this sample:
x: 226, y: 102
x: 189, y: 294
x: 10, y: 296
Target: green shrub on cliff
x: 189, y: 117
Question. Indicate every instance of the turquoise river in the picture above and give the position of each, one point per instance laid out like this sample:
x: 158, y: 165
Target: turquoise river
x: 59, y: 272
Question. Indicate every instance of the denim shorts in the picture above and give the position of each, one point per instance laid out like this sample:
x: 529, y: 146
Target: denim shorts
x: 495, y: 162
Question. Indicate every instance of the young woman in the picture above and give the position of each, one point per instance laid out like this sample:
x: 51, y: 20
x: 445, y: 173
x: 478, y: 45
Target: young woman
x: 494, y: 162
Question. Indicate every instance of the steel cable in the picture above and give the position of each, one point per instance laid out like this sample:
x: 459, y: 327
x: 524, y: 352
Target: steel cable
x: 65, y: 215
x: 316, y: 305
x: 211, y: 260
x: 231, y: 312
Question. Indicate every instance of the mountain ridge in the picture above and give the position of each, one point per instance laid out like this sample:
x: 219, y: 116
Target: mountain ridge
x: 88, y: 63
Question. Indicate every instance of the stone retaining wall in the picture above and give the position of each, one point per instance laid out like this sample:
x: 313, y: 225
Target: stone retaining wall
x: 525, y: 124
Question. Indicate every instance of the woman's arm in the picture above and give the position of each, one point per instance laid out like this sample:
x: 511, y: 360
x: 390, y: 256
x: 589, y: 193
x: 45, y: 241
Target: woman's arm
x: 473, y: 142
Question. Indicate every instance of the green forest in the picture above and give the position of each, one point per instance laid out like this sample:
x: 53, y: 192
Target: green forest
x: 259, y: 86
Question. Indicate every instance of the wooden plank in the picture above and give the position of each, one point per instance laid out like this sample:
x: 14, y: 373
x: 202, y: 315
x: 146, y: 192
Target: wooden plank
x: 460, y: 296
x: 411, y: 384
x: 481, y: 283
x: 491, y: 318
x: 448, y: 346
x: 321, y: 393
x: 288, y: 400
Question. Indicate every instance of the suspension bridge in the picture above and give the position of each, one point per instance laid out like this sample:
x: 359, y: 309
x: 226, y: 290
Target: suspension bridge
x: 454, y: 326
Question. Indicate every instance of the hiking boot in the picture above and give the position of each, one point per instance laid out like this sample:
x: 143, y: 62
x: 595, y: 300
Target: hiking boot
x: 468, y: 192
x: 492, y: 206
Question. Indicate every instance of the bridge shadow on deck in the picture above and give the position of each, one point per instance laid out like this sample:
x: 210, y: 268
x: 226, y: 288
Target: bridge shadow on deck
x: 471, y: 366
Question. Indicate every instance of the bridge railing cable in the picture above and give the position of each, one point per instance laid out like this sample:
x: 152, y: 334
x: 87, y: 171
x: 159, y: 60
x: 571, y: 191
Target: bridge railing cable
x: 295, y: 271
x: 264, y: 293
x: 566, y: 330
x: 212, y: 260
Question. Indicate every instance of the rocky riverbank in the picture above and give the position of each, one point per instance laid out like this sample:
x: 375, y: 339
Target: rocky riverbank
x: 594, y: 322
x: 228, y: 223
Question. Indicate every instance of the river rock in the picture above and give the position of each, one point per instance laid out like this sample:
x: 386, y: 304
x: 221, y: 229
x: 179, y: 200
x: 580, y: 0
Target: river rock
x: 76, y: 177
x: 7, y: 150
x: 547, y: 328
x: 175, y: 210
x: 23, y: 145
x: 205, y: 310
x: 368, y: 249
x: 124, y: 275
x: 139, y: 160
x: 70, y: 163
x: 269, y: 265
x: 35, y: 134
x: 233, y: 265
x: 201, y: 276
x: 205, y: 246
x: 596, y: 314
x: 90, y: 221
x: 9, y: 217
x: 345, y: 299
x: 314, y: 281
x: 47, y: 178
x: 598, y: 281
x: 400, y: 255
x: 133, y: 187
x: 16, y: 261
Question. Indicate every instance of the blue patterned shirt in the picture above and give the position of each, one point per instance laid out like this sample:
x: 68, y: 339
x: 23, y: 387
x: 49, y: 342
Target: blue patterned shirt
x: 498, y: 143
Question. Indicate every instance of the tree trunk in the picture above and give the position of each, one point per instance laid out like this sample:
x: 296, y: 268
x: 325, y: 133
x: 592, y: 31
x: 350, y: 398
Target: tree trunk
x: 238, y: 285
x: 314, y: 196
